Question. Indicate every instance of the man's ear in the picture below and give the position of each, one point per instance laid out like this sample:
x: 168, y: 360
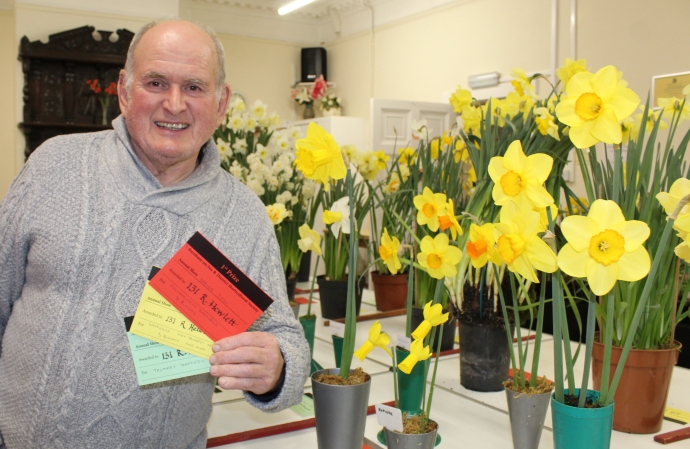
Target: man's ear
x: 122, y: 93
x: 223, y: 103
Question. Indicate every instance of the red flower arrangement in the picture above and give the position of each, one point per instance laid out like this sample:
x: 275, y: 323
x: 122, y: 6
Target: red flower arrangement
x: 103, y: 97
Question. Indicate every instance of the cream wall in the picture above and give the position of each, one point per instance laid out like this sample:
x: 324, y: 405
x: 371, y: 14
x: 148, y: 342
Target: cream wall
x: 262, y: 70
x: 8, y: 55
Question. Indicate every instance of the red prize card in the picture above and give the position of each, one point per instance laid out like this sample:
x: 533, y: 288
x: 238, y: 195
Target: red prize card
x: 210, y: 290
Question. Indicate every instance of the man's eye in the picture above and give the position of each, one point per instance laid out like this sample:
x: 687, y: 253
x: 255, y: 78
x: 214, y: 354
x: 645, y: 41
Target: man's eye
x: 194, y: 88
x: 155, y: 84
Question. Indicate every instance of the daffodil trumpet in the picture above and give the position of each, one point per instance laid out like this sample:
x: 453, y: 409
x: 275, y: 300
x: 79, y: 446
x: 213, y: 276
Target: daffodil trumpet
x: 375, y: 339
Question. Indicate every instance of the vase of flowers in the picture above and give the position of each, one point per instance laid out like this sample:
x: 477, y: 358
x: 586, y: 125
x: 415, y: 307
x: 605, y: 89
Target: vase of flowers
x: 306, y: 96
x: 103, y: 96
x: 331, y: 106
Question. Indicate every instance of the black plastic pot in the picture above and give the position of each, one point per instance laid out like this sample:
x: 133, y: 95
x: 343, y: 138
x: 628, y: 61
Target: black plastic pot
x: 304, y: 268
x: 333, y: 297
x: 448, y: 336
x: 291, y: 285
x: 484, y: 356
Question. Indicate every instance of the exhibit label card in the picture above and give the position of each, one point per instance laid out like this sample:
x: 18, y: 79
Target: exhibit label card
x: 389, y: 417
x: 156, y: 319
x: 154, y: 362
x: 209, y: 290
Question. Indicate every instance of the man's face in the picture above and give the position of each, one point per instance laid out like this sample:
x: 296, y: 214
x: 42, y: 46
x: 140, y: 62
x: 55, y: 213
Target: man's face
x: 171, y: 109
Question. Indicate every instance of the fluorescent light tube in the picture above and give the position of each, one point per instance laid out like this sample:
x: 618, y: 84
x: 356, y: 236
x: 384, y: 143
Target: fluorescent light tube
x: 293, y: 6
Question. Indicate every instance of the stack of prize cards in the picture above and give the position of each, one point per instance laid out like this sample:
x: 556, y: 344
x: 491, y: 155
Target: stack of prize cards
x: 195, y: 299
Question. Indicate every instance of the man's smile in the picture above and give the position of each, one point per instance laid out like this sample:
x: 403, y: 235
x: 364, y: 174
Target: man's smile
x: 172, y: 126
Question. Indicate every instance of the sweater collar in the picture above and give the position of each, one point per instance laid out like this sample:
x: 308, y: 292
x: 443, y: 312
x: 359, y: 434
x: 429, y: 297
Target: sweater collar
x: 139, y: 185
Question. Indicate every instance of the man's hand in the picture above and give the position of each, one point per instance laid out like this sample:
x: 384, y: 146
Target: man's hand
x: 250, y: 361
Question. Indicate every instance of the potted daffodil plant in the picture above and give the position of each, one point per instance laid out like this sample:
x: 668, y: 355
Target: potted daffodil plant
x: 340, y: 395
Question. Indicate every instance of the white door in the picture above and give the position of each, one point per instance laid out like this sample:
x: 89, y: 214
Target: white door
x: 391, y: 121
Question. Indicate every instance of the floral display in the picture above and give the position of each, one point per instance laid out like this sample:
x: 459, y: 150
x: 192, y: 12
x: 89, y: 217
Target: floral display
x: 103, y: 95
x: 262, y: 157
x: 330, y: 102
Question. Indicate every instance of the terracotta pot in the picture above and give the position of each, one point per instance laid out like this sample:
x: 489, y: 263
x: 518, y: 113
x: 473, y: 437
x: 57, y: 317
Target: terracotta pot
x: 643, y: 388
x: 390, y: 291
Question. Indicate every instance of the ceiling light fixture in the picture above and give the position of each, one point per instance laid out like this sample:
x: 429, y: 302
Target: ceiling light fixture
x: 293, y: 6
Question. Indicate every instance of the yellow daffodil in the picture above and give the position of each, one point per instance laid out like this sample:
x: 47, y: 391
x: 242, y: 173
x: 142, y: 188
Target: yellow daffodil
x: 376, y: 338
x: 544, y: 218
x: 460, y: 151
x: 669, y: 201
x: 393, y: 184
x: 437, y: 257
x: 604, y: 247
x: 388, y: 250
x: 407, y: 155
x: 482, y: 245
x: 594, y: 106
x: 652, y: 118
x: 459, y: 99
x: 519, y: 178
x: 433, y: 316
x: 418, y: 353
x: 522, y: 84
x: 472, y: 120
x: 430, y: 205
x: 627, y: 126
x: 276, y: 212
x: 350, y: 153
x: 671, y: 105
x: 434, y: 147
x: 381, y: 159
x: 519, y: 245
x: 546, y: 123
x: 318, y: 156
x: 449, y: 221
x: 310, y: 240
x: 570, y: 68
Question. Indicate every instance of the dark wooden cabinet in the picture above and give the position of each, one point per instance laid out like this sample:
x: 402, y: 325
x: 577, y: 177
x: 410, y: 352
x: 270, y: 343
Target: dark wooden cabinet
x: 57, y: 98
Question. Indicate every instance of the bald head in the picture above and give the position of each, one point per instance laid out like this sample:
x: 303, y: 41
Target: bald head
x: 186, y: 26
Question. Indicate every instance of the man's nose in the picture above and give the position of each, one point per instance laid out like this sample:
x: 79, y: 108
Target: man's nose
x: 174, y: 101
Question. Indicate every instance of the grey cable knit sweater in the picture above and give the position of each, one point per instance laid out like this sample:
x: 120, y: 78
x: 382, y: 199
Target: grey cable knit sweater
x: 79, y: 231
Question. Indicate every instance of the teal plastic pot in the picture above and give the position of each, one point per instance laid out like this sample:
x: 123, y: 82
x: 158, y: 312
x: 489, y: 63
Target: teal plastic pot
x: 411, y: 386
x: 581, y: 428
x: 337, y: 349
x: 308, y: 323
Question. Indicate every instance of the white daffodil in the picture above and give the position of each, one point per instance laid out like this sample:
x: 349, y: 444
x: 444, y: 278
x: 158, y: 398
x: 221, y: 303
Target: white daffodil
x: 259, y: 109
x: 339, y: 216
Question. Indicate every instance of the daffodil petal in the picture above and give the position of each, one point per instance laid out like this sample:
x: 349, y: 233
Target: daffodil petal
x: 566, y: 113
x: 522, y: 265
x: 581, y: 136
x: 422, y: 330
x: 634, y: 265
x: 607, y: 127
x: 601, y: 278
x: 579, y: 84
x: 605, y: 212
x: 540, y: 165
x: 634, y: 232
x: 579, y: 230
x: 604, y: 82
x: 364, y: 350
x: 408, y: 364
x: 541, y: 256
x: 624, y: 102
x: 573, y: 262
x: 515, y: 158
x: 538, y: 195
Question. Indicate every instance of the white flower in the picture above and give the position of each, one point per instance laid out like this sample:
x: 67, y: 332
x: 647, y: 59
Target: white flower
x: 223, y: 147
x: 237, y: 105
x: 262, y: 152
x: 303, y: 97
x: 284, y: 197
x: 250, y: 123
x: 283, y: 144
x: 236, y: 170
x: 273, y: 183
x: 255, y: 186
x: 236, y: 122
x: 295, y: 133
x: 309, y: 189
x: 278, y: 165
x: 240, y: 146
x: 259, y: 109
x: 342, y: 206
x: 419, y: 130
x: 274, y: 119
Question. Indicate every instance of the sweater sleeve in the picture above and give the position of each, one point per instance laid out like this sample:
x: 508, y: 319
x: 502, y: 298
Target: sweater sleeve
x: 15, y: 221
x: 280, y: 321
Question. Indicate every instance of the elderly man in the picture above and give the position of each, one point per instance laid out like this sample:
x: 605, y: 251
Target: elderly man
x: 80, y: 229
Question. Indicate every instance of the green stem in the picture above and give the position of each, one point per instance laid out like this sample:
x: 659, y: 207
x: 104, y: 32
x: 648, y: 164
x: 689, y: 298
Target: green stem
x: 425, y: 416
x: 589, y: 339
x: 608, y: 343
x: 509, y: 334
x: 351, y: 311
x: 537, y: 338
x: 313, y: 279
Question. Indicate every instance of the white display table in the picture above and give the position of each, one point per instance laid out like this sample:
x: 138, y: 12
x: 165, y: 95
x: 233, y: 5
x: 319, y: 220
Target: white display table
x: 466, y: 418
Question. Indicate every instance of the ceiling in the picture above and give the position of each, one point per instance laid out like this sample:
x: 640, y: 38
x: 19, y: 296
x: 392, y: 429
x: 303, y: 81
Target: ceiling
x: 317, y: 10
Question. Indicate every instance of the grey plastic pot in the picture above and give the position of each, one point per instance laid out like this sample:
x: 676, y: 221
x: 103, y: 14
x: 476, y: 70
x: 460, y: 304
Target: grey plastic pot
x: 527, y: 413
x: 396, y: 440
x: 340, y: 412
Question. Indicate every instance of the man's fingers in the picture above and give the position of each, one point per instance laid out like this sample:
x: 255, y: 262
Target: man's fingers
x: 259, y: 339
x: 240, y: 355
x: 238, y: 383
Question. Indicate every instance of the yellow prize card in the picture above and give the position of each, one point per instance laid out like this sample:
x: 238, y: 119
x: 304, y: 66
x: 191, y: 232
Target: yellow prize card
x: 157, y: 320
